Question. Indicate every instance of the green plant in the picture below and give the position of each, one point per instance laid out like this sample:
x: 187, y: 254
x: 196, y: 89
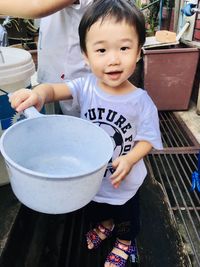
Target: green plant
x: 150, y: 11
x: 138, y: 3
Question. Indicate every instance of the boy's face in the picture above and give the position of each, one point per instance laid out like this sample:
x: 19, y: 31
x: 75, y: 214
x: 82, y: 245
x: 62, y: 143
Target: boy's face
x: 112, y: 51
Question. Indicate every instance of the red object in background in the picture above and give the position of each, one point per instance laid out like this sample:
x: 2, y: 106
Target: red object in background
x: 196, y: 36
x: 169, y: 76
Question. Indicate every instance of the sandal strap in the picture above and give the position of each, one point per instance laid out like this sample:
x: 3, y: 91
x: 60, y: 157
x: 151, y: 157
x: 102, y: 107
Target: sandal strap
x: 107, y: 232
x: 116, y: 260
x: 128, y: 249
x: 94, y: 238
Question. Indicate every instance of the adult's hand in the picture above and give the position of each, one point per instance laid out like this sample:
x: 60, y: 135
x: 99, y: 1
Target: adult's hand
x: 32, y: 8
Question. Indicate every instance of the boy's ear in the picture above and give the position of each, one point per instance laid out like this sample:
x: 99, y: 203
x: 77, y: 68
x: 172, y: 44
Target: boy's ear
x: 86, y: 58
x: 138, y: 58
x: 139, y: 54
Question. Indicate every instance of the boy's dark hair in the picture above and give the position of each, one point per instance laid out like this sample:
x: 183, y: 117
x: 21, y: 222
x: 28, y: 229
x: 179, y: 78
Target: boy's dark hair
x: 118, y: 9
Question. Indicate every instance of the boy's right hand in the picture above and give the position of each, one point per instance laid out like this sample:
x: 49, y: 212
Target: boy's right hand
x: 24, y: 98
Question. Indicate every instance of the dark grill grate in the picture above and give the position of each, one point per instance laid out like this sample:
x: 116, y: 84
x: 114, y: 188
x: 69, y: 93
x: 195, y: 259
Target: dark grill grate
x: 39, y: 240
x: 174, y: 172
x: 176, y: 136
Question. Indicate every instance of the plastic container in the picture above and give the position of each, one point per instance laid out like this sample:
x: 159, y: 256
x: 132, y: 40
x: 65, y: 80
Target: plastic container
x: 50, y: 173
x: 169, y: 76
x: 16, y: 69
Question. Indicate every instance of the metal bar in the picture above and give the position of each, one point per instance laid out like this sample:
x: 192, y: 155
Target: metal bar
x: 183, y: 208
x: 174, y: 169
x: 195, y: 10
x: 3, y: 91
x: 186, y: 164
x: 186, y: 189
x: 179, y: 131
x: 187, y: 130
x: 160, y: 14
x: 166, y: 168
x: 171, y: 136
x: 165, y: 136
x: 152, y: 173
x: 164, y: 188
x: 156, y: 1
x: 176, y: 14
x: 182, y: 31
x: 176, y: 150
x: 180, y: 193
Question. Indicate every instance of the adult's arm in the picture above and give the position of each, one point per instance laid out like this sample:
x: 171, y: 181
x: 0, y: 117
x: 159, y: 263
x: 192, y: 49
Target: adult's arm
x: 32, y: 8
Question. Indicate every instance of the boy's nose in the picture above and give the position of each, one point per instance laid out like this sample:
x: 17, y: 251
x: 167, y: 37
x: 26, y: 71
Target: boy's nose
x: 114, y: 59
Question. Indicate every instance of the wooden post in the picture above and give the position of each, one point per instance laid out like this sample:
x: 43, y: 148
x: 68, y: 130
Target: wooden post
x: 198, y: 102
x: 177, y: 8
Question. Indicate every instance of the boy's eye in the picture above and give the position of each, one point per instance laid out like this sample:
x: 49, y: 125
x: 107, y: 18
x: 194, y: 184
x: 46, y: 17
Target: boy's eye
x: 101, y: 50
x: 124, y: 48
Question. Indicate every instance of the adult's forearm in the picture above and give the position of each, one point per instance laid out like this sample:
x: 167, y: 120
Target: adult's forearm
x: 32, y: 8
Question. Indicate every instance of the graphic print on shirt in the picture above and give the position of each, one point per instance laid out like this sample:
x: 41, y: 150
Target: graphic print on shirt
x: 121, y: 131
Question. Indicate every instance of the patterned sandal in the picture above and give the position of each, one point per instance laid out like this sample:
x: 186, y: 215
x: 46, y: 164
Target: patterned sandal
x: 117, y: 260
x: 93, y: 236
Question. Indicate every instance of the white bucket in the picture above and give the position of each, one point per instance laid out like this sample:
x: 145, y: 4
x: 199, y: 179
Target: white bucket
x: 16, y: 69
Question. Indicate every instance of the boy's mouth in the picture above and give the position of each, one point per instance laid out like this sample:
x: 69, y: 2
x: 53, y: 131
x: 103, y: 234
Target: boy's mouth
x: 114, y: 75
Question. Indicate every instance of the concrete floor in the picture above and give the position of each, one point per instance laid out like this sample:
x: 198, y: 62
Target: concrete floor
x: 192, y: 120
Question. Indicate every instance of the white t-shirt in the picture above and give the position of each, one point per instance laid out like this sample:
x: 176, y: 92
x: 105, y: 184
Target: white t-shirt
x: 59, y: 55
x: 127, y: 118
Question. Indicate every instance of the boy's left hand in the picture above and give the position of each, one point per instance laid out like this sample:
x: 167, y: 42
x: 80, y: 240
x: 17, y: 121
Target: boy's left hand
x: 123, y: 167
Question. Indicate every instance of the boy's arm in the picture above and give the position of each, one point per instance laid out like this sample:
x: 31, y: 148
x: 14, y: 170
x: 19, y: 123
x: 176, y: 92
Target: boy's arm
x: 124, y: 164
x: 53, y: 92
x: 41, y: 94
x: 32, y: 8
x: 141, y: 149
